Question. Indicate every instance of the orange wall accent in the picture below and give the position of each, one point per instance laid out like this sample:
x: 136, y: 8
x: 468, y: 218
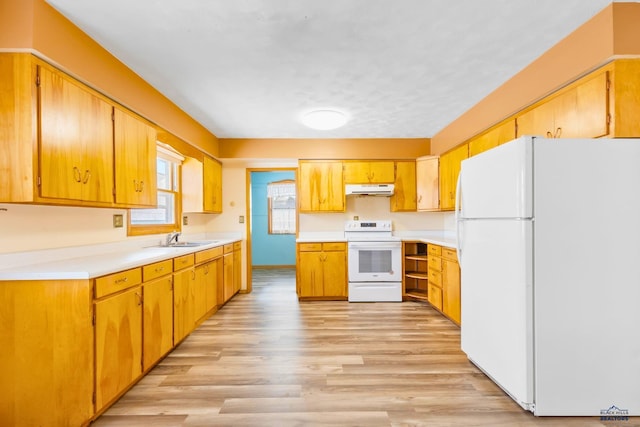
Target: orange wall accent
x: 35, y: 25
x: 613, y: 31
x: 352, y: 148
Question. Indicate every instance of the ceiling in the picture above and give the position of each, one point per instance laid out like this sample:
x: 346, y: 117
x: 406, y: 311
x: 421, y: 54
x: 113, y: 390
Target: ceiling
x: 398, y: 68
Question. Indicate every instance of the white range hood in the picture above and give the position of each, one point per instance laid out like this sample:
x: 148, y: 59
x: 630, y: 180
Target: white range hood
x: 385, y: 190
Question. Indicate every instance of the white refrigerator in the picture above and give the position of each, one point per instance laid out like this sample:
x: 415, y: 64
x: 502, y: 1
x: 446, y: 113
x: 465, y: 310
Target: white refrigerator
x: 549, y: 248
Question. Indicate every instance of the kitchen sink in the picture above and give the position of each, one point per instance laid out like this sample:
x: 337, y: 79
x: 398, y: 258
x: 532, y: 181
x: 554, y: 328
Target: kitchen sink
x: 187, y: 244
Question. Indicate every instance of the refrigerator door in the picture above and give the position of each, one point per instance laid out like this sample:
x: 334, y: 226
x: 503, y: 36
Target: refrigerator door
x: 496, y: 303
x: 587, y: 277
x: 498, y: 182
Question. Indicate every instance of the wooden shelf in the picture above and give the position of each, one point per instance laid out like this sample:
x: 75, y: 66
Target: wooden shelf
x: 417, y: 293
x: 416, y: 257
x: 416, y: 275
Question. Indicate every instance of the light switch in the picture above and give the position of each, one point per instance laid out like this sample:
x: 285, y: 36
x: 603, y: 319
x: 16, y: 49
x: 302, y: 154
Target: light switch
x: 185, y: 220
x: 241, y: 219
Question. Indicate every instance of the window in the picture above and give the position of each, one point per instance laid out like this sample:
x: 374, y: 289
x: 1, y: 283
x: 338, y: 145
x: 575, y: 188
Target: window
x: 282, y: 207
x: 164, y: 218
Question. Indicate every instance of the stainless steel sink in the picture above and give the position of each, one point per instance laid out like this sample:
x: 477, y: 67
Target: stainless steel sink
x: 188, y: 244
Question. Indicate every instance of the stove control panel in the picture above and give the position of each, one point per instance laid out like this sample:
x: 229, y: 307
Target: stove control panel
x: 383, y: 225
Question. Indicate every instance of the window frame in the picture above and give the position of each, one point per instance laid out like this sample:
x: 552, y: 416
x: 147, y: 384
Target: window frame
x: 146, y: 229
x: 270, y: 209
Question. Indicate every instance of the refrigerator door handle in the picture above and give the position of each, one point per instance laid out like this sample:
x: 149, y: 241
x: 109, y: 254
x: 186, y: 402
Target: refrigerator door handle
x: 457, y: 212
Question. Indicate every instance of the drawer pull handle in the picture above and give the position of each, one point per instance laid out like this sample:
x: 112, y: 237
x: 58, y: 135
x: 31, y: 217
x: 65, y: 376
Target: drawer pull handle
x: 159, y: 269
x: 122, y: 280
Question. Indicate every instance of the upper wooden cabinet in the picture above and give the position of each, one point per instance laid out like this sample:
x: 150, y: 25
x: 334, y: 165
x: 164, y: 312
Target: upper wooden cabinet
x: 321, y: 186
x: 201, y: 185
x: 369, y: 172
x: 212, y: 185
x: 76, y: 140
x: 135, y: 160
x: 64, y: 144
x: 449, y: 169
x: 500, y: 134
x: 427, y: 184
x: 404, y: 197
x: 578, y: 111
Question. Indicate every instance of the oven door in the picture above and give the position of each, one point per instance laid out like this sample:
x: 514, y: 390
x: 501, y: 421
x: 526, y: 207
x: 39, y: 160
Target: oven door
x: 375, y: 261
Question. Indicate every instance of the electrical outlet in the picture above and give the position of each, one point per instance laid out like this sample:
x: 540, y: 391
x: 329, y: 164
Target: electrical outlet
x: 241, y: 219
x: 118, y: 221
x: 356, y: 217
x: 185, y: 220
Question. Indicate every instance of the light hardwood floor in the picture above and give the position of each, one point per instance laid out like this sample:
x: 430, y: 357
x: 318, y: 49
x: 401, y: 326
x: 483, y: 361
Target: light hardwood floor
x: 266, y: 360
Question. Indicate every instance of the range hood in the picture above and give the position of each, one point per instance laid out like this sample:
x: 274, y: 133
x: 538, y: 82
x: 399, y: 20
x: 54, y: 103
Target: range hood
x: 369, y: 190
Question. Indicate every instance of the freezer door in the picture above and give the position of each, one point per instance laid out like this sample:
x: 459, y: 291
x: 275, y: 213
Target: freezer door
x: 496, y: 303
x: 498, y: 182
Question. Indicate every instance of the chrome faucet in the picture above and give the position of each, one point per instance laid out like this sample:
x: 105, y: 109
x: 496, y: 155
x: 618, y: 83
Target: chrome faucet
x: 171, y: 237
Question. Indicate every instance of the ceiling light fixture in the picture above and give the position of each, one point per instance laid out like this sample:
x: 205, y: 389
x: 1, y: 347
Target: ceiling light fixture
x: 324, y: 119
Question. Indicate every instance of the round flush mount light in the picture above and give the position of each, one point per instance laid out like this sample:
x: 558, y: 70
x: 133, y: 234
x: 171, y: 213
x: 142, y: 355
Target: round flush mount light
x: 324, y: 119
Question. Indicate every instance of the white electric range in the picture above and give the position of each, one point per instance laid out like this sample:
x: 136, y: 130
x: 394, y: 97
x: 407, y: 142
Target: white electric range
x: 374, y: 261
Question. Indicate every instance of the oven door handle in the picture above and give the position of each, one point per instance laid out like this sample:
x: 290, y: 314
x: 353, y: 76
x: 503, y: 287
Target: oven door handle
x: 375, y: 245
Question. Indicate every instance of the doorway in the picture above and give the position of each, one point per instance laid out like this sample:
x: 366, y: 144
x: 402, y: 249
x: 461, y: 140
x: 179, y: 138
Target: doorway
x: 272, y: 221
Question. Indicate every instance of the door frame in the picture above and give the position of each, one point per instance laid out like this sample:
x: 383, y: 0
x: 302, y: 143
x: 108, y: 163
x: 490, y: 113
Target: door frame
x: 248, y: 212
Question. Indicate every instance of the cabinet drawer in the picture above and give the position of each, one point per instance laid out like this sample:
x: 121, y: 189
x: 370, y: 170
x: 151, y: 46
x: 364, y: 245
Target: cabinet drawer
x: 228, y: 248
x: 237, y: 246
x: 450, y: 254
x: 118, y: 281
x: 309, y: 247
x: 435, y: 278
x: 434, y: 250
x: 157, y: 269
x: 183, y: 262
x: 434, y: 262
x: 434, y: 295
x: 208, y: 254
x: 334, y: 246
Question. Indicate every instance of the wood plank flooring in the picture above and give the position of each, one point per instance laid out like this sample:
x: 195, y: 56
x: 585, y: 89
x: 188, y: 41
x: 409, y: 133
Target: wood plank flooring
x: 267, y: 360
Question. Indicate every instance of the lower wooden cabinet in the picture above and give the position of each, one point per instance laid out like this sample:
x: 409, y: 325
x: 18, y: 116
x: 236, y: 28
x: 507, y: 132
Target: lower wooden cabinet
x: 71, y: 348
x: 451, y: 284
x: 237, y: 267
x: 157, y: 320
x: 118, y: 338
x: 183, y: 303
x: 46, y: 353
x: 322, y: 270
x: 431, y: 273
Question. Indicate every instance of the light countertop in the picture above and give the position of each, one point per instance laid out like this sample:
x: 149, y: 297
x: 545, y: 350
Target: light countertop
x: 87, y: 262
x: 436, y: 237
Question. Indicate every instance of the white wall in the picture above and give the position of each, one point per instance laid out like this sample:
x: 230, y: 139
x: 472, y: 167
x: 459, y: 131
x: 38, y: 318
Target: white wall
x: 371, y: 208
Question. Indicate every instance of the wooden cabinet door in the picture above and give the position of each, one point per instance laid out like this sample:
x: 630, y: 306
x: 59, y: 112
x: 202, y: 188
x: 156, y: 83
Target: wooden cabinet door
x: 449, y: 169
x: 118, y: 335
x: 183, y: 307
x: 371, y: 172
x: 584, y: 112
x: 228, y: 276
x: 204, y: 276
x: 334, y: 273
x: 451, y: 289
x: 157, y: 320
x: 135, y: 160
x: 404, y: 197
x: 76, y: 141
x: 310, y: 274
x: 212, y: 186
x: 237, y: 269
x: 321, y: 187
x: 427, y: 184
x: 496, y: 136
x: 215, y: 281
